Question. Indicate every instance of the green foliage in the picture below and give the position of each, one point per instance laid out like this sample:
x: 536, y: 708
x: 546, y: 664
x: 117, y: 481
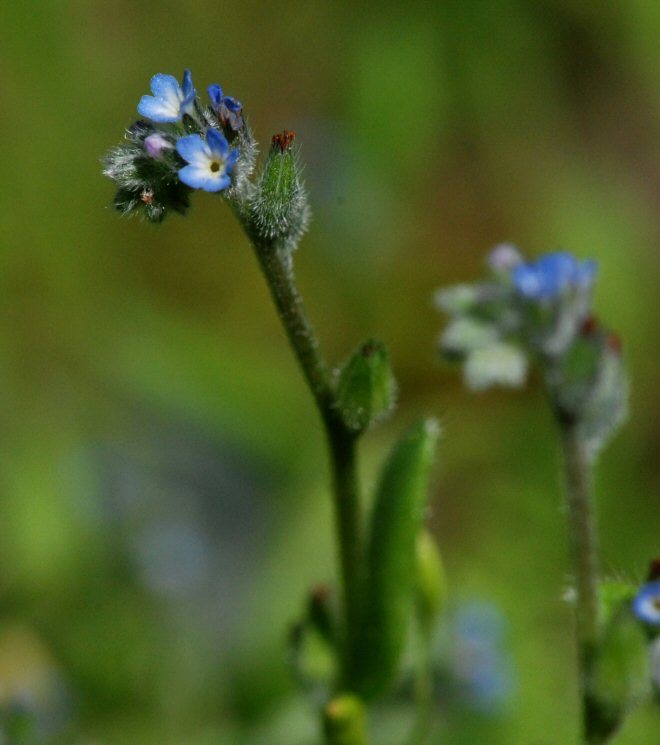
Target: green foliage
x: 344, y: 721
x: 391, y: 566
x: 366, y: 388
x: 620, y: 676
x: 431, y: 582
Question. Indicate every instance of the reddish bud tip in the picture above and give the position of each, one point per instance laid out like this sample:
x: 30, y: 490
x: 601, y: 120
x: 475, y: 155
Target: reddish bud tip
x: 589, y: 326
x: 654, y: 570
x: 614, y: 343
x: 320, y: 593
x: 283, y: 141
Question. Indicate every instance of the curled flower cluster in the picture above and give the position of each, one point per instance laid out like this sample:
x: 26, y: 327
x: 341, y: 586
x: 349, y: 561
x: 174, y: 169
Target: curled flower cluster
x: 538, y: 312
x: 180, y: 145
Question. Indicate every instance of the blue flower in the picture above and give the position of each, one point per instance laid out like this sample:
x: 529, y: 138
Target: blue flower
x: 552, y: 275
x: 170, y: 101
x: 646, y: 605
x: 210, y: 161
x: 227, y: 108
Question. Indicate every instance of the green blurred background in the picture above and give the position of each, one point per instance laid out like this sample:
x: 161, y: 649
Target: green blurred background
x: 163, y: 489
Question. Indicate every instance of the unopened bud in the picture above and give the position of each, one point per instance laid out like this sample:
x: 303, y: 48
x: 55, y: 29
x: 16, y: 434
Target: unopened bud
x: 366, y: 388
x: 280, y: 212
x: 504, y: 257
x: 156, y: 145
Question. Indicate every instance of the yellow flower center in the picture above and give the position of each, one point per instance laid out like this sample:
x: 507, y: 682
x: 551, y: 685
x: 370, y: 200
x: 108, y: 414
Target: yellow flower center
x: 215, y: 166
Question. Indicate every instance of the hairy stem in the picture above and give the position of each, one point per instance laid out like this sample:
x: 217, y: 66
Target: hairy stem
x: 584, y: 556
x: 277, y: 268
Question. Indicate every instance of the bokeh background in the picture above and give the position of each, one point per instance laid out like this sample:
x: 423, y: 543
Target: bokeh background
x: 163, y: 490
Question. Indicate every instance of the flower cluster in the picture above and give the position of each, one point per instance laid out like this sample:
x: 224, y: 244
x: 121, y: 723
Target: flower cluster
x: 538, y: 311
x: 180, y: 145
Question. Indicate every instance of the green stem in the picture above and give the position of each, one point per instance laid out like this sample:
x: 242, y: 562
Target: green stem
x: 277, y: 268
x: 584, y: 555
x: 423, y: 687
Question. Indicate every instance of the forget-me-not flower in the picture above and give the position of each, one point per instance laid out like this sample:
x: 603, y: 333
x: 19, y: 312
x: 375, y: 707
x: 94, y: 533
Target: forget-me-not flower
x: 210, y: 161
x: 552, y: 275
x: 646, y: 604
x: 227, y: 108
x: 170, y: 101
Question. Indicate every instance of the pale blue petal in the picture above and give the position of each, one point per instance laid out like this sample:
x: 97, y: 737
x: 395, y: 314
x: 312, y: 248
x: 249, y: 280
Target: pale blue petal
x: 194, y: 176
x: 193, y: 149
x: 157, y: 110
x: 217, y: 183
x: 217, y: 142
x: 527, y: 281
x: 203, y: 178
x: 646, y: 605
x: 166, y: 87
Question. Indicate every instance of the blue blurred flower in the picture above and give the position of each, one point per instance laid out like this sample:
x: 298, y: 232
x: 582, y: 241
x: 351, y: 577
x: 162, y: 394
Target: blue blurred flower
x: 482, y: 665
x: 228, y: 109
x: 646, y: 604
x: 210, y: 161
x: 552, y: 275
x: 170, y: 101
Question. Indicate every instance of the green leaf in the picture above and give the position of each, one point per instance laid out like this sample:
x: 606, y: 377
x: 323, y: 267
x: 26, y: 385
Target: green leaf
x: 366, y: 389
x: 620, y: 675
x: 391, y: 562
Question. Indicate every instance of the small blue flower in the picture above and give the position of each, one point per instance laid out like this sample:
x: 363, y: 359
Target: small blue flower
x: 552, y: 275
x: 170, y: 101
x: 646, y: 605
x: 228, y: 109
x: 210, y: 161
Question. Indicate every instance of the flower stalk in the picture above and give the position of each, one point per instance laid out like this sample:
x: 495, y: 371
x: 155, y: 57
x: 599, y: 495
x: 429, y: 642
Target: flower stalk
x: 188, y: 145
x: 582, y: 534
x: 277, y: 269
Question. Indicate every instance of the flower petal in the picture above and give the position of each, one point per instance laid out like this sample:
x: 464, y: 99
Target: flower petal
x: 158, y: 110
x: 233, y: 105
x: 193, y: 149
x: 217, y: 183
x: 188, y: 88
x: 215, y: 94
x: 646, y: 605
x: 194, y: 176
x: 217, y: 142
x: 166, y: 87
x: 203, y: 178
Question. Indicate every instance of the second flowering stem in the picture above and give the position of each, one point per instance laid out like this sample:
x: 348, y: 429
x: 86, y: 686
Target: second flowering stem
x: 584, y: 556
